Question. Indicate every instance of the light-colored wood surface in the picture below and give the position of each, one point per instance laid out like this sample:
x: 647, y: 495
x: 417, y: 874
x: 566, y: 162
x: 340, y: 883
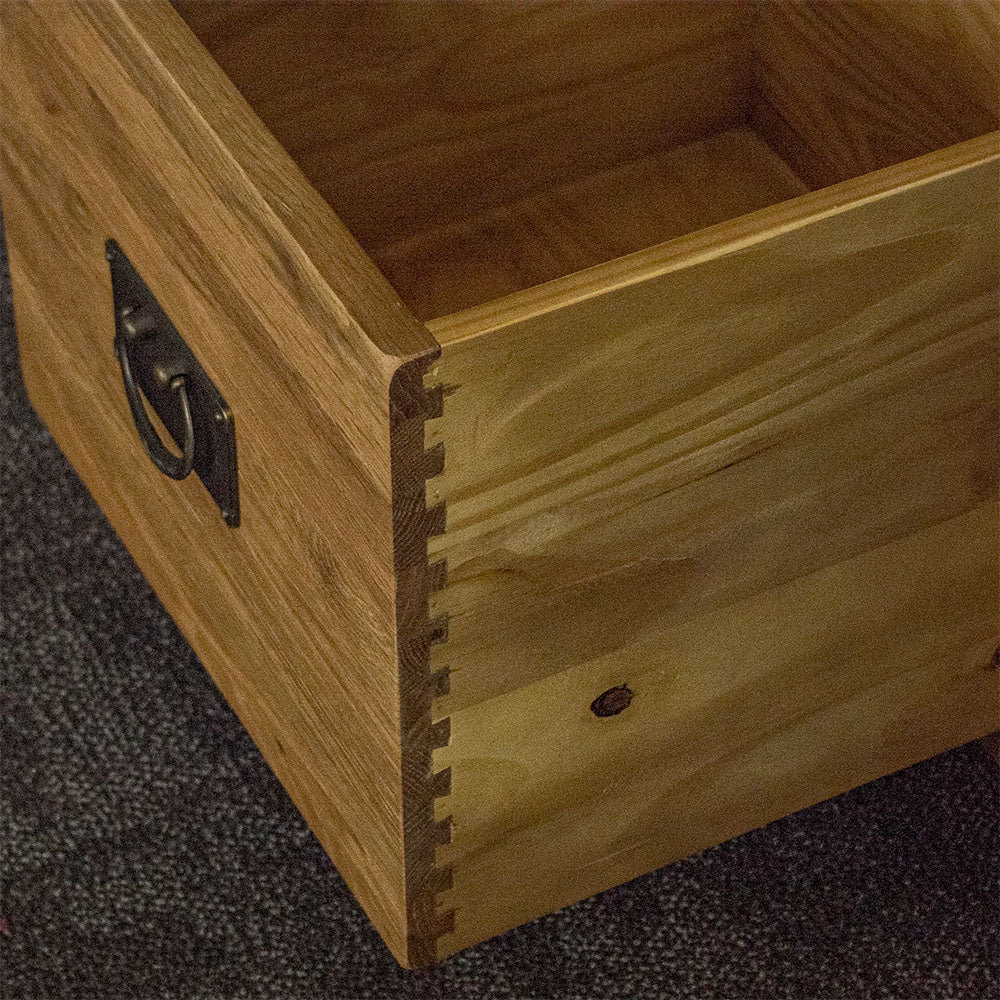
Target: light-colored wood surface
x: 740, y: 716
x: 582, y: 223
x: 572, y: 289
x: 674, y: 456
x: 642, y: 453
x: 410, y: 115
x: 847, y: 87
x: 102, y: 134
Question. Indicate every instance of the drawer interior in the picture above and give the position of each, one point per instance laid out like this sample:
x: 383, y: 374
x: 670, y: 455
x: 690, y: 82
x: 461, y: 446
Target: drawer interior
x: 479, y: 149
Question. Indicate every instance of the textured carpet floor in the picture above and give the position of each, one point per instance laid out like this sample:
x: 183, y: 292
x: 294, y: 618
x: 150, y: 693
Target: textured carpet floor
x: 147, y: 851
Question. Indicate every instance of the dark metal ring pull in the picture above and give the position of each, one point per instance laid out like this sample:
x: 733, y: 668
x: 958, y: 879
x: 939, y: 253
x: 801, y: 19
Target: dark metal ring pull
x: 165, y: 382
x: 175, y: 466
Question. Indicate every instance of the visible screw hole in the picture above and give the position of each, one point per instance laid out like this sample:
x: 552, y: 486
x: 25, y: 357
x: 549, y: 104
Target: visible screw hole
x: 994, y: 663
x: 613, y: 701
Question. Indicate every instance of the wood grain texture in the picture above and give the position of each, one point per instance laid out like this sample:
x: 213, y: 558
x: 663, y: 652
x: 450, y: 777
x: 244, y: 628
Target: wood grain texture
x: 411, y: 405
x: 585, y: 222
x: 410, y: 115
x: 711, y: 459
x: 848, y: 87
x: 105, y: 132
x: 739, y: 717
x: 478, y: 149
x: 578, y: 434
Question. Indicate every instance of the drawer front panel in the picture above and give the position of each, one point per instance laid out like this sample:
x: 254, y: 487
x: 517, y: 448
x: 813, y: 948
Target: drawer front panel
x: 759, y: 488
x: 294, y: 611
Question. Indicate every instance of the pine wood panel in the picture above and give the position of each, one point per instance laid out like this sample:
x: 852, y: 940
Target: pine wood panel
x: 718, y: 453
x: 847, y: 87
x: 409, y: 115
x: 584, y: 222
x: 739, y: 717
x: 621, y: 458
x: 295, y: 612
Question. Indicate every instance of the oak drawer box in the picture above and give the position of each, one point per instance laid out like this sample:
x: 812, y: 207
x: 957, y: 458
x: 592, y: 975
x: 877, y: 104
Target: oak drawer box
x: 615, y: 401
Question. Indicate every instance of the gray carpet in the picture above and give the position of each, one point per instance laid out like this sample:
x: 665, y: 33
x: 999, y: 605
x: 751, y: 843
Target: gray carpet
x: 149, y: 853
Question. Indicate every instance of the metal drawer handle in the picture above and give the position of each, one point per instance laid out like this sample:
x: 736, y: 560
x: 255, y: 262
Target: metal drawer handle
x: 175, y: 466
x: 162, y: 376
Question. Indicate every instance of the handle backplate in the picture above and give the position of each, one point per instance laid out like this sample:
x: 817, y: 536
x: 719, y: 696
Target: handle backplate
x: 155, y: 359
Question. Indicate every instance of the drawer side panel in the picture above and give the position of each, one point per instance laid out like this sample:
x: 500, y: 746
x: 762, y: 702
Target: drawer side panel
x: 931, y: 79
x: 760, y: 490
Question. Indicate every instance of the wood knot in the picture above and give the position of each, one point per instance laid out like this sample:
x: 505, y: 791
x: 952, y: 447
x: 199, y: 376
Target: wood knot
x: 994, y: 663
x: 613, y: 701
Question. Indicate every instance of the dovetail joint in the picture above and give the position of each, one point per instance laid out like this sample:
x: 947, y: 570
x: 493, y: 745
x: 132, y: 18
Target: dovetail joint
x: 415, y: 521
x: 437, y: 576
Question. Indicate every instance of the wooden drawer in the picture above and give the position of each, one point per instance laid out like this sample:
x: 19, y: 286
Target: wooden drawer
x: 615, y: 392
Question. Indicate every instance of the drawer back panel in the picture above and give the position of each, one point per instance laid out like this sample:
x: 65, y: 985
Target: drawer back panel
x: 410, y: 115
x: 478, y: 149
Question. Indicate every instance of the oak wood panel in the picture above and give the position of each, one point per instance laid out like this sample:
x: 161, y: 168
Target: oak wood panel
x: 584, y: 222
x: 408, y: 115
x: 844, y: 88
x: 295, y: 612
x: 739, y: 716
x: 331, y: 249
